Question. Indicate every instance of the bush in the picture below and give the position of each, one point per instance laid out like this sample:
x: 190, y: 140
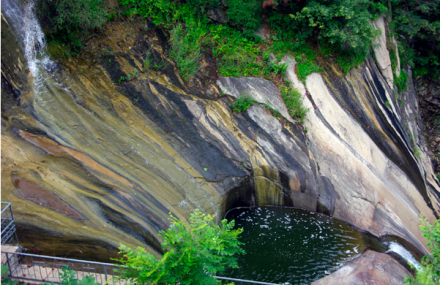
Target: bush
x: 68, y: 21
x: 343, y: 24
x: 429, y: 273
x: 185, y: 47
x: 242, y: 103
x: 160, y: 11
x: 194, y: 253
x: 294, y: 103
x: 416, y: 27
x: 244, y: 13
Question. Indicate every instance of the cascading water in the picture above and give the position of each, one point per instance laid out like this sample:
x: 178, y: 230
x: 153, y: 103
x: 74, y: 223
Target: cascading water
x: 25, y: 23
x: 403, y: 253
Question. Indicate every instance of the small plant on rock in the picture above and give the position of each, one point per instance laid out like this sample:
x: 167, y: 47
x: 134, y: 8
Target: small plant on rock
x: 242, y: 103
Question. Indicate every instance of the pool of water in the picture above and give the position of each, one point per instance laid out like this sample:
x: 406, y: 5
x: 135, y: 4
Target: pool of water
x: 293, y: 245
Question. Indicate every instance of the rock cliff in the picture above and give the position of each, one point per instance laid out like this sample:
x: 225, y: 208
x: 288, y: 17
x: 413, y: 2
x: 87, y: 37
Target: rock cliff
x: 102, y: 149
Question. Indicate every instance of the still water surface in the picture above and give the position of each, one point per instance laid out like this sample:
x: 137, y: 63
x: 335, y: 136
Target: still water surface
x: 292, y: 245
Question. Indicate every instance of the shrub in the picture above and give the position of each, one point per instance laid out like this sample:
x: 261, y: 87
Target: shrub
x: 194, y: 253
x: 343, y: 24
x: 160, y: 11
x: 69, y: 21
x: 429, y: 273
x: 242, y: 103
x: 416, y: 27
x: 294, y: 103
x: 401, y: 81
x: 244, y: 13
x: 185, y: 47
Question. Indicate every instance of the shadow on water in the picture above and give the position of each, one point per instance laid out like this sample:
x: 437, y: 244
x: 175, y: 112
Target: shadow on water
x: 298, y: 246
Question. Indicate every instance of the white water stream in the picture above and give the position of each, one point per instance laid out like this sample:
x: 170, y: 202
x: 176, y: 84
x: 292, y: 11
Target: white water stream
x: 405, y: 254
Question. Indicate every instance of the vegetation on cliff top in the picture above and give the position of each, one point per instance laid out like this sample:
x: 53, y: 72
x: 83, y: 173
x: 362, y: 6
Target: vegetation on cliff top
x: 340, y: 28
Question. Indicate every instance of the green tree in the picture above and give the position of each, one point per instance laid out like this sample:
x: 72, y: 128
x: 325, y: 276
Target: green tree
x: 68, y: 22
x: 416, y: 26
x: 429, y: 272
x: 194, y: 253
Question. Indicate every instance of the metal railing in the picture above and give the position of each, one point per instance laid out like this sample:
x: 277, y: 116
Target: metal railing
x: 9, y: 235
x: 42, y: 268
x: 245, y: 282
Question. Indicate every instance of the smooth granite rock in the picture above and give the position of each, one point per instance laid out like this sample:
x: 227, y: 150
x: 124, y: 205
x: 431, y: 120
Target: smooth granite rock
x: 371, y: 267
x: 381, y: 52
x: 90, y: 161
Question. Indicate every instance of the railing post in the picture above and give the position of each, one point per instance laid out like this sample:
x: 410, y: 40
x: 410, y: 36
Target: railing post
x: 105, y: 272
x: 9, y: 265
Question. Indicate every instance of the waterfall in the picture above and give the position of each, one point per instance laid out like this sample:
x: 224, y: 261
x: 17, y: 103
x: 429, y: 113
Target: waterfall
x: 405, y: 254
x: 24, y: 21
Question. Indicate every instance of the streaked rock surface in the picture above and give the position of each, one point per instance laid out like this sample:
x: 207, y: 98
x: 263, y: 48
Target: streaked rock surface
x: 92, y: 161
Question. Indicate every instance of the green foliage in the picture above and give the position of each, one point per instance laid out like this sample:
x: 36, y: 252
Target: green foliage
x: 274, y: 111
x: 244, y: 13
x: 416, y: 26
x: 185, y: 47
x: 401, y: 81
x: 343, y: 24
x: 239, y: 56
x: 194, y: 253
x: 305, y: 58
x: 161, y: 12
x: 147, y: 60
x: 432, y: 233
x: 294, y: 103
x: 69, y: 21
x: 429, y: 273
x: 388, y: 104
x: 6, y: 280
x: 417, y: 152
x: 242, y: 103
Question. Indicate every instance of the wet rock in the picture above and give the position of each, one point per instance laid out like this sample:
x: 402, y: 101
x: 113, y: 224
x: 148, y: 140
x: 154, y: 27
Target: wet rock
x: 370, y: 268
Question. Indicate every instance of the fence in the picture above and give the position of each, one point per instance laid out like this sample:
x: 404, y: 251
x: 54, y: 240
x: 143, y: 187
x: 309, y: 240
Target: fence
x: 33, y: 267
x: 9, y: 236
x: 42, y: 268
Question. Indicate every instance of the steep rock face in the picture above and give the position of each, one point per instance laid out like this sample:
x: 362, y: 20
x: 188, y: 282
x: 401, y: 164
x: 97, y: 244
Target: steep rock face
x: 381, y: 53
x: 369, y: 268
x: 91, y: 159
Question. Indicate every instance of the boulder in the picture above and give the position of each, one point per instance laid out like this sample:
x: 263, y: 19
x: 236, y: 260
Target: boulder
x: 369, y: 268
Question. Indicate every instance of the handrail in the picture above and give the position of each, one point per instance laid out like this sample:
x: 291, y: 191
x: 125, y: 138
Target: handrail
x: 25, y: 274
x: 64, y: 259
x: 248, y: 281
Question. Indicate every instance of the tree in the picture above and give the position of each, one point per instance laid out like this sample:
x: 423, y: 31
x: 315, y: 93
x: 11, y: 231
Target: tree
x: 429, y: 272
x: 194, y: 253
